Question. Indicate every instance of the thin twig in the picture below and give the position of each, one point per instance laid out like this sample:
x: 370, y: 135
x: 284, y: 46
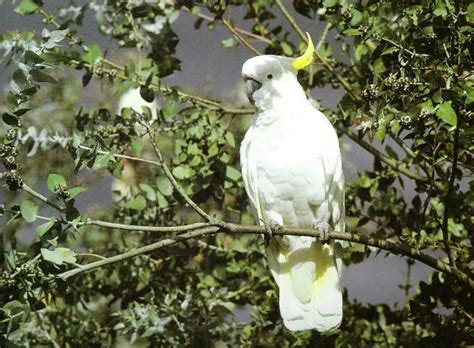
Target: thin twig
x: 162, y: 229
x: 409, y: 152
x: 239, y: 37
x: 239, y: 30
x: 171, y: 177
x: 39, y: 196
x: 116, y: 155
x: 322, y: 39
x: 139, y: 251
x: 393, y: 163
x: 401, y: 48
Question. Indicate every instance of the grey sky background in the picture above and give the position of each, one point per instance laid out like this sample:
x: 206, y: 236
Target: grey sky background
x: 205, y: 64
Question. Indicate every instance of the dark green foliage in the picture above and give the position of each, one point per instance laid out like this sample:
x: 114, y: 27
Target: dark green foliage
x: 406, y: 69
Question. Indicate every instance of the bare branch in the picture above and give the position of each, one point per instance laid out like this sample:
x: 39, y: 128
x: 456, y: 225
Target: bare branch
x: 238, y: 30
x: 171, y: 177
x: 39, y: 196
x: 224, y: 227
x: 240, y: 38
x: 162, y: 229
x: 391, y: 162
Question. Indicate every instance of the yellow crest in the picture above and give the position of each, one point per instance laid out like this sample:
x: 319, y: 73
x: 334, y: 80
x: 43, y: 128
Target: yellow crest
x: 306, y: 58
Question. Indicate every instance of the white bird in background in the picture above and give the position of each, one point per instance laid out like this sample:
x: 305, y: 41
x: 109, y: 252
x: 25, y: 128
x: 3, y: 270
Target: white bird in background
x: 292, y: 172
x: 126, y: 186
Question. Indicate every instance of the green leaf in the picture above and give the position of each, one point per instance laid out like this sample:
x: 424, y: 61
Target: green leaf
x: 287, y: 50
x: 181, y: 172
x: 357, y: 17
x: 52, y: 256
x: 149, y: 191
x: 164, y: 186
x: 470, y: 96
x: 92, y: 55
x: 42, y: 229
x: 162, y: 202
x: 230, y: 42
x: 67, y: 255
x: 29, y: 210
x: 20, y: 79
x: 10, y: 119
x: 32, y: 57
x: 379, y: 66
x: 447, y: 113
x: 380, y: 133
x: 40, y: 76
x: 102, y: 161
x: 229, y: 137
x: 360, y: 50
x: 73, y: 192
x: 170, y: 110
x: 137, y: 145
x: 55, y: 37
x: 329, y: 3
x: 55, y: 179
x: 440, y: 9
x: 470, y: 11
x: 138, y: 203
x: 352, y: 32
x: 59, y: 255
x: 26, y: 7
x: 232, y: 173
x: 58, y: 35
x: 345, y: 340
x: 426, y: 106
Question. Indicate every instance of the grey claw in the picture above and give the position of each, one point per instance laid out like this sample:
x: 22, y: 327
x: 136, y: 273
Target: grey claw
x: 270, y: 229
x: 323, y: 230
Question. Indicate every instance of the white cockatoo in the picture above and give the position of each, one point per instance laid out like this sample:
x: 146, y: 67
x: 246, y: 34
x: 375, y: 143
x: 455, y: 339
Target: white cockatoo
x: 292, y: 172
x: 126, y: 186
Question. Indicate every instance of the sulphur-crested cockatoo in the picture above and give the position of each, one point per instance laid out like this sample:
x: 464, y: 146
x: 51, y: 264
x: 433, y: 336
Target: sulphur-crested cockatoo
x: 292, y: 172
x: 126, y: 186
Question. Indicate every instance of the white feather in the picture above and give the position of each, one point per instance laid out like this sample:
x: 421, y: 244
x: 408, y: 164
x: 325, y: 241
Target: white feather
x: 292, y: 173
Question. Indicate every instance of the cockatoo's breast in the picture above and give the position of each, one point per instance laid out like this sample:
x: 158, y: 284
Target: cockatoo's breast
x: 289, y: 157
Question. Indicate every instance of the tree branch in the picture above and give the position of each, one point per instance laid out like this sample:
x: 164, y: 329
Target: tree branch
x: 39, y: 196
x: 171, y: 177
x: 131, y: 158
x: 231, y: 228
x: 240, y: 38
x: 162, y: 229
x: 449, y: 204
x: 238, y: 30
x: 393, y: 163
x: 201, y: 229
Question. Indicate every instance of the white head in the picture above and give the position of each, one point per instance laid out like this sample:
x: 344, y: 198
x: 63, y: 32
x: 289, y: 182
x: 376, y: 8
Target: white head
x: 270, y: 81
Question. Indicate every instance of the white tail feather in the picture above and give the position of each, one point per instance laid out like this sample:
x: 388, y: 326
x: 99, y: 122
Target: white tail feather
x: 308, y: 280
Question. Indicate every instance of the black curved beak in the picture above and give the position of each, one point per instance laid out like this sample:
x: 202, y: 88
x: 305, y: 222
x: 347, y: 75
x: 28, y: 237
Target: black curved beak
x: 251, y: 86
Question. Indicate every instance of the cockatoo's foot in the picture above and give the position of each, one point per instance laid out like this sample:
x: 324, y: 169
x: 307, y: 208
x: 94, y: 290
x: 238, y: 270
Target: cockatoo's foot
x: 323, y: 229
x: 270, y: 227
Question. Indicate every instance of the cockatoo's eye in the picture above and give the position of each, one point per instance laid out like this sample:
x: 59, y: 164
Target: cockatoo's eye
x: 269, y: 76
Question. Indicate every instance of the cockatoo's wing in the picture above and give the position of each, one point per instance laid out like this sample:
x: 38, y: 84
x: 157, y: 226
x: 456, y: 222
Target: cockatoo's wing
x: 292, y: 174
